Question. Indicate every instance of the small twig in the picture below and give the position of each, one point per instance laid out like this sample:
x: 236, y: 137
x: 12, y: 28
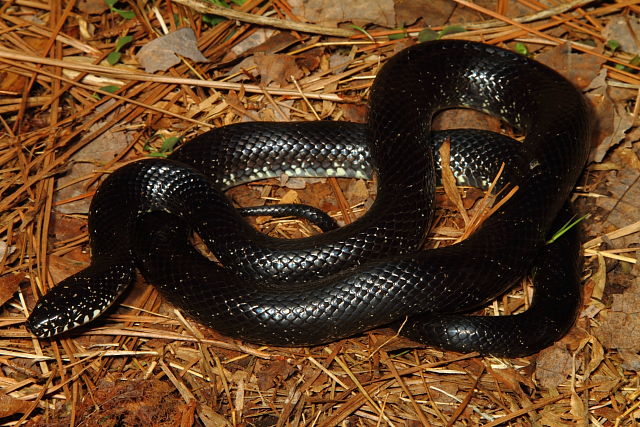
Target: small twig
x: 204, y: 7
x: 133, y: 75
x: 543, y: 14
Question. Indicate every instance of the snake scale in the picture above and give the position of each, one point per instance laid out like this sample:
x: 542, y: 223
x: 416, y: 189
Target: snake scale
x: 372, y: 272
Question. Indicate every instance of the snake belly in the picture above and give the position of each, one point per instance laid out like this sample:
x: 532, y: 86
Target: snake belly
x: 371, y: 272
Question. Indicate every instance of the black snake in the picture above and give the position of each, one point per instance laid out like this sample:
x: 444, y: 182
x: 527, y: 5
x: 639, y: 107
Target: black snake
x: 372, y: 272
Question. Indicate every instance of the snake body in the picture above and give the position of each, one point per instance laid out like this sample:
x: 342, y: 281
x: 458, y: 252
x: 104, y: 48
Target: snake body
x: 371, y: 272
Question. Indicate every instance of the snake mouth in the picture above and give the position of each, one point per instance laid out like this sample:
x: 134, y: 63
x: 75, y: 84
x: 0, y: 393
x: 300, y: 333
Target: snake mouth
x: 60, y: 310
x: 53, y: 316
x: 43, y: 325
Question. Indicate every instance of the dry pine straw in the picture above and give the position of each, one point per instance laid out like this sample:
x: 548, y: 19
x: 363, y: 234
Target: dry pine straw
x: 144, y: 352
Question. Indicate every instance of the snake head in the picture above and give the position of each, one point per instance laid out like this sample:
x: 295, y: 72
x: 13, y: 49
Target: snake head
x: 53, y: 315
x: 79, y: 299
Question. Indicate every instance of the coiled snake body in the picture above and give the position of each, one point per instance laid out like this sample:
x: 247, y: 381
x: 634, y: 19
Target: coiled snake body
x: 371, y: 272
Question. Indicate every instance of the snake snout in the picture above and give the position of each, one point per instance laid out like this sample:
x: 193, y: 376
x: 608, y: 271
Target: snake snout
x: 60, y: 310
x: 51, y: 316
x: 43, y: 327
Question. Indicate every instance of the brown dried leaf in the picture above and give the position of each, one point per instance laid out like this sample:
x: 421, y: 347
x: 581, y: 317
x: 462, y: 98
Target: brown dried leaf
x: 9, y: 284
x: 162, y: 53
x: 319, y: 195
x: 10, y: 406
x: 356, y: 192
x: 262, y: 40
x: 600, y: 279
x: 272, y: 372
x: 254, y: 41
x: 83, y: 164
x: 354, y: 112
x: 310, y: 60
x: 465, y: 14
x: 246, y: 195
x: 360, y: 12
x: 291, y: 196
x: 275, y: 43
x: 12, y: 82
x: 621, y: 328
x: 625, y: 31
x: 277, y: 68
x: 436, y: 11
x: 551, y: 417
x: 612, y: 117
x: 580, y: 69
x: 578, y: 409
x: 464, y: 118
x: 623, y: 202
x: 70, y: 263
x: 66, y: 227
x: 553, y: 366
x: 92, y: 7
x: 631, y: 360
x: 511, y: 379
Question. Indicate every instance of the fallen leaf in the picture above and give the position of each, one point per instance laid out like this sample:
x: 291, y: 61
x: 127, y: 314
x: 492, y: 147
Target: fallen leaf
x: 319, y: 195
x: 338, y: 61
x: 92, y: 7
x: 612, y: 117
x: 360, y: 12
x: 457, y: 118
x: 621, y: 328
x: 262, y: 40
x: 269, y: 373
x: 246, y: 195
x: 291, y: 196
x: 295, y: 183
x: 278, y: 68
x: 631, y: 360
x: 12, y: 82
x: 511, y: 379
x: 66, y: 227
x: 434, y: 12
x: 462, y: 15
x: 356, y: 113
x: 622, y: 203
x: 257, y: 38
x: 609, y: 413
x: 578, y: 409
x: 10, y: 406
x: 578, y: 68
x: 310, y: 60
x: 9, y: 284
x: 356, y: 192
x: 551, y: 417
x: 83, y: 164
x: 162, y: 53
x: 62, y: 267
x: 624, y: 31
x: 553, y: 366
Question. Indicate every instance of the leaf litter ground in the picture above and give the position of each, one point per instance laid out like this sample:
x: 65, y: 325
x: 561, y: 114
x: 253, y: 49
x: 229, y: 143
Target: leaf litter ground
x: 145, y: 363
